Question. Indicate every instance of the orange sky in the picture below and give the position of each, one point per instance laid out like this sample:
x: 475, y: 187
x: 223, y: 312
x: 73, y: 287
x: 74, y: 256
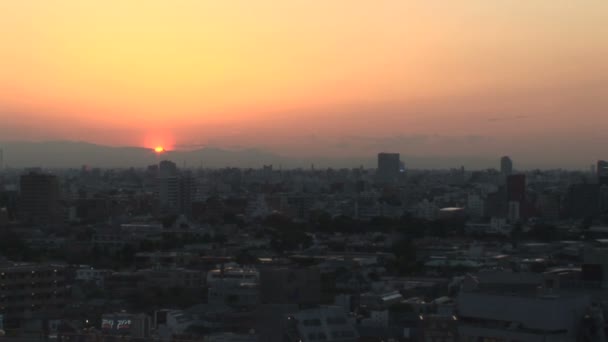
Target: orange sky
x: 340, y: 77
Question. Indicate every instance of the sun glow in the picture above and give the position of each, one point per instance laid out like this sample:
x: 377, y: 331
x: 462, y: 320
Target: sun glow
x: 159, y: 149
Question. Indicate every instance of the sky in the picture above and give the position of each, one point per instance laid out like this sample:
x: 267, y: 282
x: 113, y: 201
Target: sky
x: 340, y: 78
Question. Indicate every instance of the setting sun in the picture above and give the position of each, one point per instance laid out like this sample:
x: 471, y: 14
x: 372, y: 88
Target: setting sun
x: 159, y: 149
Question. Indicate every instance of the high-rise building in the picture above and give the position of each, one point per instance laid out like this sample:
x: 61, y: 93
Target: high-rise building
x: 513, y: 211
x: 389, y: 166
x: 549, y: 206
x: 475, y: 206
x: 39, y: 198
x: 31, y: 289
x: 187, y: 193
x: 176, y: 191
x: 602, y: 172
x: 168, y: 193
x: 506, y: 166
x: 167, y: 168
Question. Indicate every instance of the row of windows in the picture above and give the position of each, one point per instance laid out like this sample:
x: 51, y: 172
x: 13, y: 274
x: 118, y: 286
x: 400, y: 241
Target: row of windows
x: 25, y: 286
x: 33, y: 297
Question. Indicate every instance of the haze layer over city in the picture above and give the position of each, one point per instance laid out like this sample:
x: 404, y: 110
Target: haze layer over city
x: 304, y: 171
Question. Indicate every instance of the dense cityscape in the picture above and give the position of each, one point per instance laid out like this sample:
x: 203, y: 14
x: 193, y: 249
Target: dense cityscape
x: 165, y: 253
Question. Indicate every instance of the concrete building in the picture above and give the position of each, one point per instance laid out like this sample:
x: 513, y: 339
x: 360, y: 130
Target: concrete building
x: 549, y: 206
x: 389, y: 166
x: 506, y: 166
x: 603, y: 199
x: 232, y: 276
x: 168, y: 193
x: 241, y: 295
x: 602, y: 172
x: 525, y: 318
x: 166, y: 169
x: 89, y: 274
x: 176, y: 193
x: 27, y: 289
x: 290, y: 285
x: 475, y: 206
x: 125, y: 325
x: 237, y: 287
x: 324, y: 323
x: 438, y: 327
x: 172, y: 324
x: 595, y: 265
x: 513, y: 211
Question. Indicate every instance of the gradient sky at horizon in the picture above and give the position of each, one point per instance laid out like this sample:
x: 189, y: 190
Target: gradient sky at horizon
x: 312, y: 78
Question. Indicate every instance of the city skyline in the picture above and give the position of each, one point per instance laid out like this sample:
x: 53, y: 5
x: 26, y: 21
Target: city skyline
x: 311, y: 80
x: 76, y: 154
x: 303, y: 171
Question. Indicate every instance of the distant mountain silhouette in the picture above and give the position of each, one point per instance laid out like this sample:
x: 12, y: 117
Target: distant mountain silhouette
x: 59, y: 154
x: 74, y: 154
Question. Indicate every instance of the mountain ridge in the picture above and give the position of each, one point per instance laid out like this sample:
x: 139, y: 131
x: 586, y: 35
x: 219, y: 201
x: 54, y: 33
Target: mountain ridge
x: 75, y: 154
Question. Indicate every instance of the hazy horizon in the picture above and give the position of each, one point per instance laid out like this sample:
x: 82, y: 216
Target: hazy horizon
x: 74, y: 154
x: 337, y: 79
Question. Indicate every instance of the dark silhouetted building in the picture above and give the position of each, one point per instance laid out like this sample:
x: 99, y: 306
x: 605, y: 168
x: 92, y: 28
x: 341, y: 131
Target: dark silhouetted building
x: 516, y: 188
x: 167, y: 168
x: 506, y: 166
x: 581, y: 201
x: 603, y: 199
x: 389, y: 166
x: 187, y: 192
x: 602, y: 172
x: 176, y: 191
x: 39, y: 198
